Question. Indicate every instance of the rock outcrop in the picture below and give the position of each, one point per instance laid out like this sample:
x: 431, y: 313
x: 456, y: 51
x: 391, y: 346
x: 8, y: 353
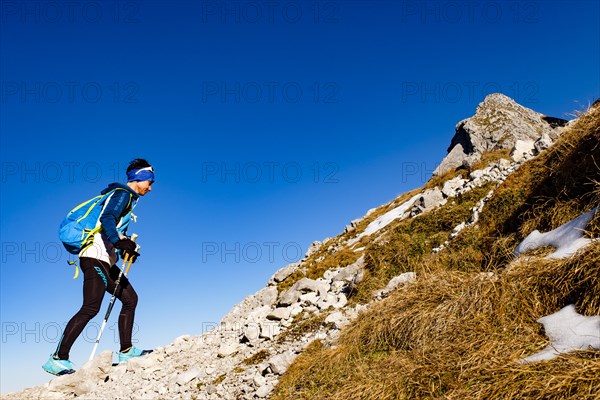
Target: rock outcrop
x: 499, y: 123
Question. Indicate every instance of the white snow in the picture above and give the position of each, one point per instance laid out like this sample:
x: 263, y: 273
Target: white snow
x: 383, y: 220
x: 567, y: 238
x: 568, y: 331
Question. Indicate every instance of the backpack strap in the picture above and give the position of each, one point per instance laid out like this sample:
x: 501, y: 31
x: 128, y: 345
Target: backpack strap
x: 89, y: 237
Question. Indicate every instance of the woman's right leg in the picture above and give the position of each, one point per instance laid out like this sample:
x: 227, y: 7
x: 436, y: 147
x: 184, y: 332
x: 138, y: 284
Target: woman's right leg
x: 95, y: 280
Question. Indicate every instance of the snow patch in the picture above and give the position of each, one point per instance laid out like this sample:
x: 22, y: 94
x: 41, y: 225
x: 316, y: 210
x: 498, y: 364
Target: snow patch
x: 567, y: 239
x: 385, y: 219
x: 568, y: 331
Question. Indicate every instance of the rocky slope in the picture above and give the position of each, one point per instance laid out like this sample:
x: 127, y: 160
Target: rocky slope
x: 311, y: 299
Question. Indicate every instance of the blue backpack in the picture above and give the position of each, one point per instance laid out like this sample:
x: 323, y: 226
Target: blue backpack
x: 77, y: 230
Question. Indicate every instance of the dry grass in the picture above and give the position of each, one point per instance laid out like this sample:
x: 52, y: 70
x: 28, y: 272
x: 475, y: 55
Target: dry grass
x: 458, y: 335
x: 303, y: 323
x: 257, y: 358
x: 458, y: 331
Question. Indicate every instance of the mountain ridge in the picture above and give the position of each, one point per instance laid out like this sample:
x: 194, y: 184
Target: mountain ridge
x: 270, y: 344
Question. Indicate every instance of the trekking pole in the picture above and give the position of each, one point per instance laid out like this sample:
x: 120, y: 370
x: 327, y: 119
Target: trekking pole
x: 124, y: 271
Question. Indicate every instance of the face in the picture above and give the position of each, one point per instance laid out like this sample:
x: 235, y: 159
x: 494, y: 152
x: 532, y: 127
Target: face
x: 143, y: 187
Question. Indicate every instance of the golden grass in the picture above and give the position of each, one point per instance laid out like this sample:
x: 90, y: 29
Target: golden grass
x: 459, y: 335
x: 257, y: 358
x: 303, y: 323
x: 457, y: 332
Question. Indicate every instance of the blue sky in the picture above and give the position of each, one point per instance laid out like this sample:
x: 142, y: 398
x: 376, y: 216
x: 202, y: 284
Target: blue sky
x: 270, y: 125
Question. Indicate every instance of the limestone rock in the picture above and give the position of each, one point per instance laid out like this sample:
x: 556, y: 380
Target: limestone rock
x: 348, y: 273
x: 454, y: 159
x: 394, y: 283
x: 289, y: 297
x: 188, y: 376
x: 497, y: 124
x: 522, y: 150
x: 280, y: 362
x: 430, y: 199
x: 269, y: 329
x: 284, y: 273
x: 311, y: 285
x: 263, y: 391
x: 314, y: 246
x: 544, y: 142
x: 227, y: 349
x: 280, y: 313
x: 337, y: 319
x: 451, y: 187
x: 252, y: 331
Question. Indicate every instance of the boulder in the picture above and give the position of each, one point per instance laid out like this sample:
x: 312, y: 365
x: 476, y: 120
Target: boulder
x: 228, y: 349
x: 314, y: 246
x: 544, y: 142
x: 284, y: 273
x: 348, y: 273
x: 280, y: 362
x: 289, y: 297
x: 455, y: 158
x: 267, y: 296
x: 264, y: 391
x: 337, y: 320
x: 311, y: 285
x: 269, y: 329
x: 522, y: 150
x: 280, y: 313
x: 452, y: 186
x: 252, y: 331
x: 428, y: 201
x: 187, y: 376
x: 84, y: 380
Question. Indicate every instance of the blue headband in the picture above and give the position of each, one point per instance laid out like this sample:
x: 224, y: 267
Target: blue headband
x: 142, y: 174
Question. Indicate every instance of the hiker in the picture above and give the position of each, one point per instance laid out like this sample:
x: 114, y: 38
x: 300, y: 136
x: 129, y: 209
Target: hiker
x: 98, y: 262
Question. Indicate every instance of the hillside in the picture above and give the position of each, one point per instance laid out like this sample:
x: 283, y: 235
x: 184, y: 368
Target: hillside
x: 423, y: 297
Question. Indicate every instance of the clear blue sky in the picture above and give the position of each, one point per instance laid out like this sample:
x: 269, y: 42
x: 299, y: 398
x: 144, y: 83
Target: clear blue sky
x: 270, y: 125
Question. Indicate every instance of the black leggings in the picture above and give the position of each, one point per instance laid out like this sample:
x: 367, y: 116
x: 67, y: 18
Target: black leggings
x: 99, y: 277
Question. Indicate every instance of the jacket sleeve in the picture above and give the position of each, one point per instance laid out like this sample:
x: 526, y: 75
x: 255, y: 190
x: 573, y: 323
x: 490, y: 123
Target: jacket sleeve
x: 112, y: 212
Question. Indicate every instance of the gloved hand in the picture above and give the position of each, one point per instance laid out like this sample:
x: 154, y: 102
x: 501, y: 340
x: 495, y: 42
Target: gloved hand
x: 127, y: 247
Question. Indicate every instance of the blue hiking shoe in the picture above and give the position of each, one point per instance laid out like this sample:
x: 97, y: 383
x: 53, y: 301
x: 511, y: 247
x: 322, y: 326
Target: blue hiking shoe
x: 55, y: 366
x: 124, y: 356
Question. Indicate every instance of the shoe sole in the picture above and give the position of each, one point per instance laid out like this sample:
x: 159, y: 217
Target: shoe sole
x: 61, y: 373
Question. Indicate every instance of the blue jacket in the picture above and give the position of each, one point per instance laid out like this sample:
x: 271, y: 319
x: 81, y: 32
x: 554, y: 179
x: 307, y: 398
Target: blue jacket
x: 116, y: 212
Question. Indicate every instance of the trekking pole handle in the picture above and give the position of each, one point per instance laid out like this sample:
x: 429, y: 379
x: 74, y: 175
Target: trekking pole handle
x: 134, y: 237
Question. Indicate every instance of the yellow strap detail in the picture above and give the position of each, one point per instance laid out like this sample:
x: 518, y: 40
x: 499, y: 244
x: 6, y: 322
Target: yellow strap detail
x: 76, y: 268
x: 91, y: 208
x: 85, y: 202
x: 88, y: 211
